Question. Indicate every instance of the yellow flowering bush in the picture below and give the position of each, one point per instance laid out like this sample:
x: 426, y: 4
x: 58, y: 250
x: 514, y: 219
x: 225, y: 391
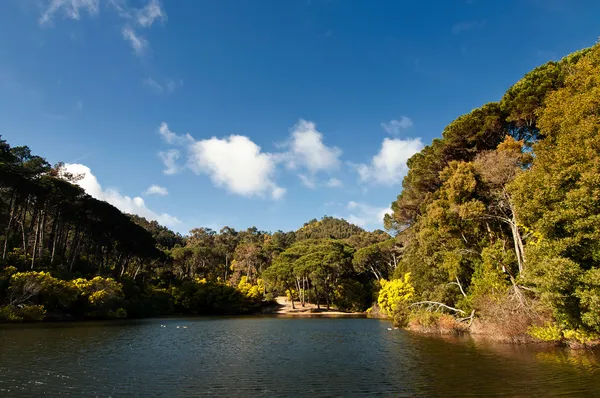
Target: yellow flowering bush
x: 395, y: 292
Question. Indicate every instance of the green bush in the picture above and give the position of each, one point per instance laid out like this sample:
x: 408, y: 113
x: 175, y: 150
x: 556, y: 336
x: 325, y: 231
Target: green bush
x: 22, y: 313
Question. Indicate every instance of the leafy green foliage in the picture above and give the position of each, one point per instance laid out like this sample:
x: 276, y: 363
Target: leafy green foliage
x: 501, y: 215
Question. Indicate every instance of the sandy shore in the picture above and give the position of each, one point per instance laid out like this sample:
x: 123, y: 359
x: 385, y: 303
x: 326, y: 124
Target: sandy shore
x: 285, y: 308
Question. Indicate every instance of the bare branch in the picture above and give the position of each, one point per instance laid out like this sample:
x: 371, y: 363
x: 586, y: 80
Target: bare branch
x: 438, y: 304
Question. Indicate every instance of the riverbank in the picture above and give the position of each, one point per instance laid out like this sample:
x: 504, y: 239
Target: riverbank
x: 283, y: 306
x: 445, y: 325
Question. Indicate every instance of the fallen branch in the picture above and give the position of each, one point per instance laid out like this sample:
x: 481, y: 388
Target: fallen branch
x: 435, y: 303
x: 469, y: 318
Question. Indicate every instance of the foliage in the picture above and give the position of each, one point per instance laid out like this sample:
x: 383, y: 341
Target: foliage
x: 252, y: 291
x: 501, y: 215
x: 351, y: 295
x: 327, y: 228
x: 31, y: 312
x: 395, y: 293
x: 548, y: 332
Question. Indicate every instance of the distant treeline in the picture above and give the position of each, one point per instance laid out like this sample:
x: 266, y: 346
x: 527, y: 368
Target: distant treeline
x: 68, y: 255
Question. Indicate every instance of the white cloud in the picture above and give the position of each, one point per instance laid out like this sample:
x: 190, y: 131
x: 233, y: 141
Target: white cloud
x: 68, y: 8
x: 307, y: 181
x: 395, y: 126
x: 365, y: 215
x: 134, y: 17
x: 239, y: 165
x: 236, y: 163
x: 169, y: 86
x: 169, y: 159
x: 79, y: 106
x: 174, y: 138
x: 121, y: 8
x: 334, y: 183
x: 126, y: 204
x: 306, y: 149
x: 172, y: 85
x: 154, y: 85
x: 150, y: 13
x: 156, y: 190
x: 388, y: 167
x: 138, y: 43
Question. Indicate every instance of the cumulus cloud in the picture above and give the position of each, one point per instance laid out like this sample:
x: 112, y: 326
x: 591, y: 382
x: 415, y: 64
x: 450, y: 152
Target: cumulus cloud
x: 394, y: 127
x: 237, y: 164
x: 365, y: 215
x: 388, y: 167
x: 169, y: 159
x: 156, y: 190
x: 138, y: 43
x: 306, y: 149
x: 126, y: 204
x: 68, y: 9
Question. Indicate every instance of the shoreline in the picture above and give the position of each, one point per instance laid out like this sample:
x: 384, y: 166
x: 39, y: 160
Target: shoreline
x: 283, y: 307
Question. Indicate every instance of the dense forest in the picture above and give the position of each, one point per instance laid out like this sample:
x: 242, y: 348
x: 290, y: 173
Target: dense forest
x: 496, y: 230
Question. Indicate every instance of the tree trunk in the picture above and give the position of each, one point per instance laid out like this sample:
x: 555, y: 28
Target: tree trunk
x: 291, y: 296
x: 55, y: 235
x: 13, y: 205
x: 374, y: 272
x: 35, y: 242
x: 42, y: 229
x: 517, y: 240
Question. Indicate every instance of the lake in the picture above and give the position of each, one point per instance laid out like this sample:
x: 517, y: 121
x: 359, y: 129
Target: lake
x: 270, y: 356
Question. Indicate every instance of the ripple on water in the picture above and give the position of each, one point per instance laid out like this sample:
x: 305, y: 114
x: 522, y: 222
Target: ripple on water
x: 264, y: 356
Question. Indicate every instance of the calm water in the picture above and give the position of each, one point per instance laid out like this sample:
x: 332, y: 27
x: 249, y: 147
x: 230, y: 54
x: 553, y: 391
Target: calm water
x: 263, y: 356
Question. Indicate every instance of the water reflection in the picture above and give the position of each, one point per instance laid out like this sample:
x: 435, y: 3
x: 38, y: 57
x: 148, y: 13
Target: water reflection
x: 270, y: 356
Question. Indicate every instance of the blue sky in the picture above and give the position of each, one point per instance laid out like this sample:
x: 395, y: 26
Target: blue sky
x: 267, y: 112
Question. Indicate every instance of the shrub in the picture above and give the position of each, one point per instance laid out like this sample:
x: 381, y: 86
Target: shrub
x: 549, y: 332
x: 22, y: 313
x: 100, y: 294
x: 435, y: 322
x: 394, y: 292
x: 253, y: 291
x: 32, y: 312
x: 402, y: 316
x: 580, y: 336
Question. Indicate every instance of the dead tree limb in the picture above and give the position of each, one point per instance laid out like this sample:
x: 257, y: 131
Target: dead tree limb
x: 439, y: 305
